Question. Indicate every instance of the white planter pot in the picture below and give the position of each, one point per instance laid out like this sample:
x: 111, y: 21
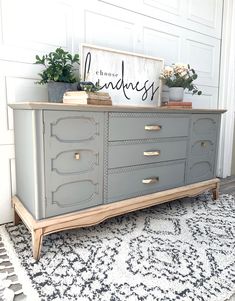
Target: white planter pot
x: 176, y: 94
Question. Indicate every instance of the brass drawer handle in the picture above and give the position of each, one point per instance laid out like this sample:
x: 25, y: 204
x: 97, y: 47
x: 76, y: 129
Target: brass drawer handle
x: 203, y: 144
x: 77, y: 156
x: 153, y: 127
x: 152, y: 153
x: 150, y: 180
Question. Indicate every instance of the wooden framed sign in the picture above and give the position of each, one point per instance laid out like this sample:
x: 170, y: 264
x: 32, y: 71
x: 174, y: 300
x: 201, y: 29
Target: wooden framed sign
x: 129, y: 78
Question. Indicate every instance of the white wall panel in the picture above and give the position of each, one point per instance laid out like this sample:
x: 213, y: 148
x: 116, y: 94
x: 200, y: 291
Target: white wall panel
x: 20, y: 26
x: 17, y: 83
x: 17, y: 89
x: 1, y: 29
x: 203, y: 53
x: 203, y: 12
x: 177, y: 44
x: 203, y: 16
x: 170, y: 6
x: 162, y: 44
x: 29, y: 27
x: 109, y: 31
x: 7, y: 180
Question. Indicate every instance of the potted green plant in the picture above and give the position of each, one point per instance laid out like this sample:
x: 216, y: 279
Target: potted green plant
x: 59, y: 73
x: 89, y: 86
x: 179, y: 77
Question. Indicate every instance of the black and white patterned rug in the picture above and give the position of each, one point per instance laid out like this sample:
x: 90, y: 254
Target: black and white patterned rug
x: 182, y: 250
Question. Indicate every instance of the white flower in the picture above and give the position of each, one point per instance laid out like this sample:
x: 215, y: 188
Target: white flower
x: 181, y: 65
x: 180, y: 69
x: 183, y: 73
x: 167, y: 72
x: 168, y: 69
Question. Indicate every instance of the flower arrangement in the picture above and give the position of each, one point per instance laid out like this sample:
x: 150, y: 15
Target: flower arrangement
x: 180, y: 75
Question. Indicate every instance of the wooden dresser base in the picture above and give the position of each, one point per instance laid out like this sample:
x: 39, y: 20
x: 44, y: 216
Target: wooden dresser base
x: 93, y: 216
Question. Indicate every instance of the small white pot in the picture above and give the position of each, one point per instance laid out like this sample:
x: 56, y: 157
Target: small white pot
x: 176, y: 94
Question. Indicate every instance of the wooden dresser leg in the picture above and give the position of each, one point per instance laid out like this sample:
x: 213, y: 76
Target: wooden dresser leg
x: 215, y: 192
x: 37, y: 236
x: 16, y: 217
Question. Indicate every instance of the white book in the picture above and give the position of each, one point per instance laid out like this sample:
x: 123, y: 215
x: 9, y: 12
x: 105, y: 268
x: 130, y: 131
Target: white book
x: 86, y: 94
x: 87, y: 101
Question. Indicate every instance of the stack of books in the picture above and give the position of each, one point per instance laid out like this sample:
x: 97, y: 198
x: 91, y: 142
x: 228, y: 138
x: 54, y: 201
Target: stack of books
x: 89, y: 98
x: 178, y: 105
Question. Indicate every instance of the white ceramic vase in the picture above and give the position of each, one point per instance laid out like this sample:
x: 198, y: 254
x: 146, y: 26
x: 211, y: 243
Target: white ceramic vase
x: 176, y: 94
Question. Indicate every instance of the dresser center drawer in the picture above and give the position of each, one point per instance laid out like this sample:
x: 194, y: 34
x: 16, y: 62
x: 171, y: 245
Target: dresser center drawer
x: 140, y: 180
x: 131, y: 126
x: 140, y: 152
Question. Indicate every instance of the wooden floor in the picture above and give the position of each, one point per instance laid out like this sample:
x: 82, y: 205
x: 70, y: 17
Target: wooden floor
x: 228, y: 185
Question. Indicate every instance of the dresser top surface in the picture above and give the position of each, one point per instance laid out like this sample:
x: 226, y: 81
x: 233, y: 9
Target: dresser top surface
x: 114, y: 108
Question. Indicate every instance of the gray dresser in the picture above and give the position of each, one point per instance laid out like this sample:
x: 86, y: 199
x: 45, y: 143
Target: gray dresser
x: 70, y: 158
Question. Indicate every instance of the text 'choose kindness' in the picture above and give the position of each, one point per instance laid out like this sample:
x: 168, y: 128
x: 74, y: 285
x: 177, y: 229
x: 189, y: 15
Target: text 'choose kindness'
x: 146, y: 87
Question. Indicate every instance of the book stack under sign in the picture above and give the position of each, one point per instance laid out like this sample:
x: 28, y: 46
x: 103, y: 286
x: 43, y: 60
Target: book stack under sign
x: 178, y: 105
x: 89, y: 98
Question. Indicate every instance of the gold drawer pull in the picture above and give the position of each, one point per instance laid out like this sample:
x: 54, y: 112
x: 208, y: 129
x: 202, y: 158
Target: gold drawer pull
x: 203, y: 144
x: 77, y: 156
x: 150, y: 180
x: 152, y: 153
x: 153, y: 127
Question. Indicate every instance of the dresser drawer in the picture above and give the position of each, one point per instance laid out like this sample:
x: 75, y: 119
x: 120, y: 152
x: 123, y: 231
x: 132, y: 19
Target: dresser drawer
x: 202, y: 148
x: 205, y: 127
x: 133, y: 181
x: 127, y: 126
x: 137, y: 152
x: 201, y: 162
x: 70, y: 127
x: 200, y: 170
x: 77, y: 160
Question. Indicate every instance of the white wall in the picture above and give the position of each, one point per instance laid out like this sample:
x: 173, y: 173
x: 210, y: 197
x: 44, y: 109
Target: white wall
x: 227, y: 89
x: 177, y: 30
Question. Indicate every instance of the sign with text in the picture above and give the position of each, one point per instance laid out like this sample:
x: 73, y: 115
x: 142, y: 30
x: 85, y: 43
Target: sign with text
x: 129, y: 78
